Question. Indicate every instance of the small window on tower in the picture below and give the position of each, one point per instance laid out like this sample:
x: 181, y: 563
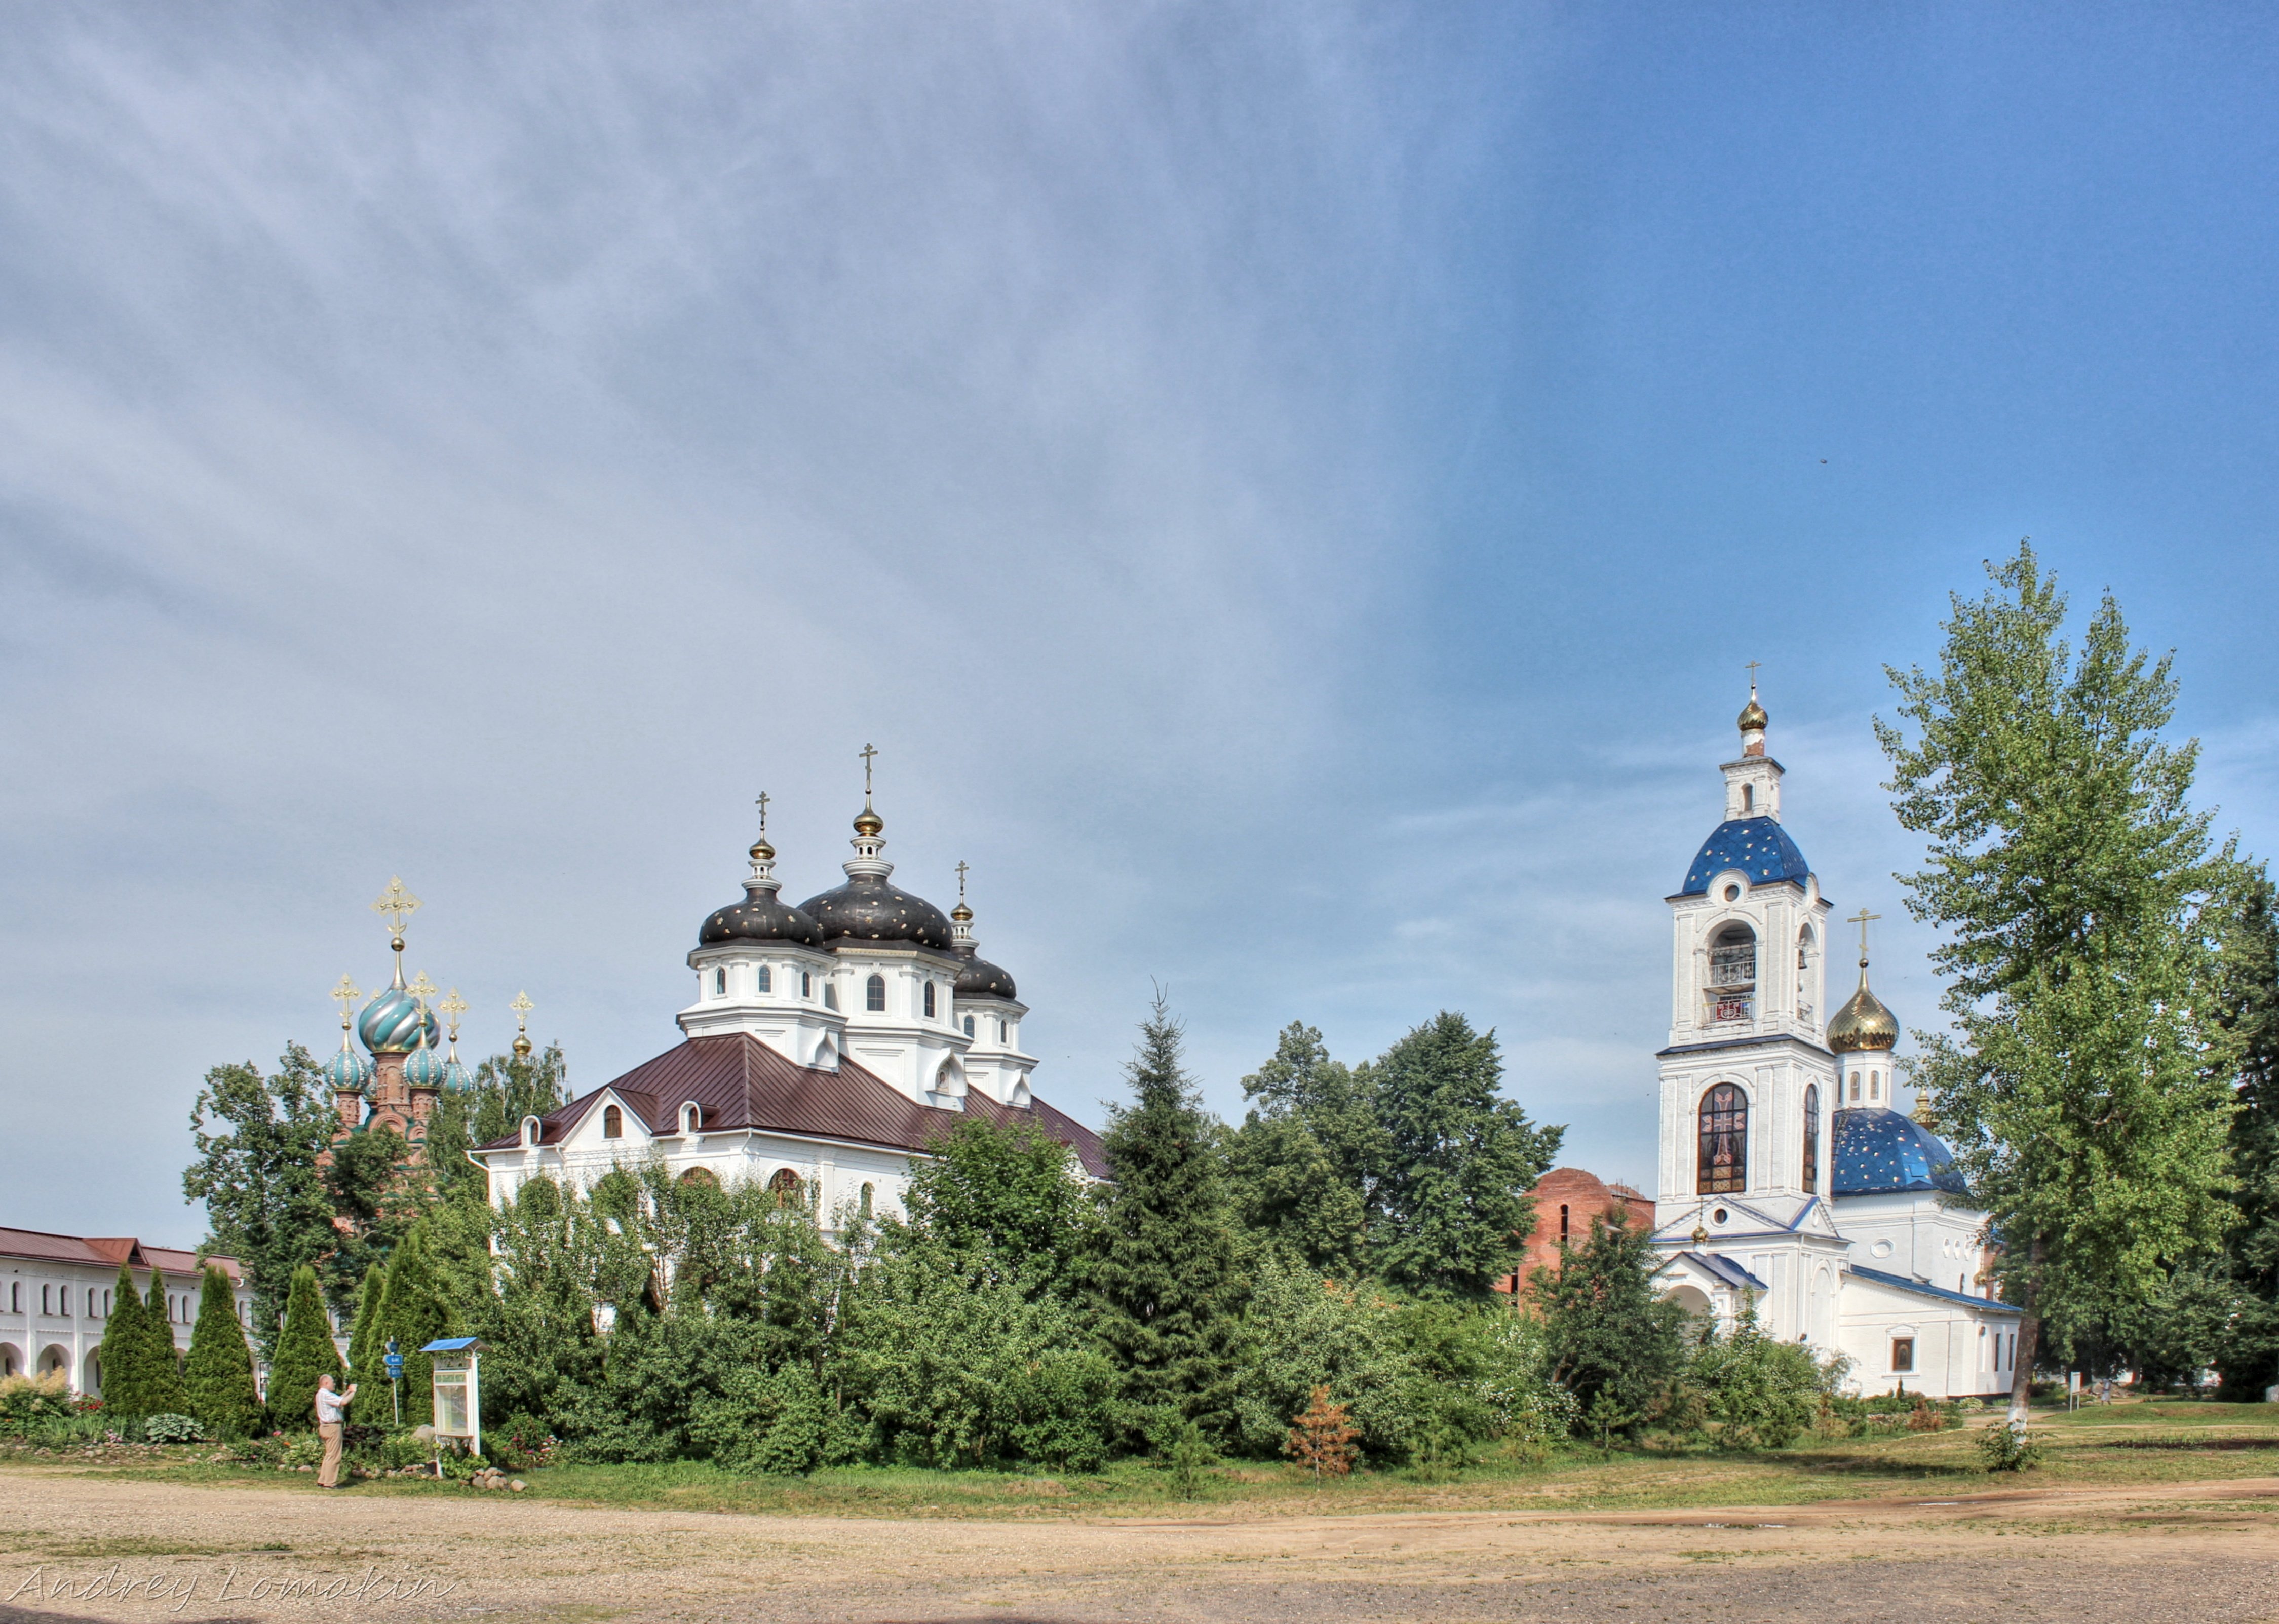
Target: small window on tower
x: 1811, y: 1138
x: 929, y: 1001
x: 720, y: 982
x: 1875, y: 1085
x: 874, y: 993
x: 1855, y: 1086
x: 969, y: 1026
x: 1001, y: 1031
x: 1562, y: 1220
x: 764, y: 980
x: 831, y: 995
x: 1749, y: 799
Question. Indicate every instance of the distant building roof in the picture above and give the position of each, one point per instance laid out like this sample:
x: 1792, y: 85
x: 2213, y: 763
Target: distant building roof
x: 108, y: 1252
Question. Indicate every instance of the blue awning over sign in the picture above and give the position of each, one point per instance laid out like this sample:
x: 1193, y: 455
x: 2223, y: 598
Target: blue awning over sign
x: 455, y: 1344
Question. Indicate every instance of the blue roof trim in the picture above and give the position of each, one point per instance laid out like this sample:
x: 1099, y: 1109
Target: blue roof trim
x: 1758, y: 846
x: 1985, y: 1304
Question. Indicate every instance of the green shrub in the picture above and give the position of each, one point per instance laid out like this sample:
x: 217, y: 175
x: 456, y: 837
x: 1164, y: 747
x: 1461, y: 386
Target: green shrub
x: 1760, y: 1393
x: 27, y: 1401
x: 169, y: 1429
x: 303, y: 1451
x: 2006, y: 1447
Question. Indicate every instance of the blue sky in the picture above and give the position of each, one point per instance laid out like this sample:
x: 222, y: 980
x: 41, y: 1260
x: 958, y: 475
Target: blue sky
x: 1289, y: 490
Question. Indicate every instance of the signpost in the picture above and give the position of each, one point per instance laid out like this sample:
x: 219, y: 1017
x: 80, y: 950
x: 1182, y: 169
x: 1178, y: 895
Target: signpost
x: 395, y: 1379
x: 458, y: 1396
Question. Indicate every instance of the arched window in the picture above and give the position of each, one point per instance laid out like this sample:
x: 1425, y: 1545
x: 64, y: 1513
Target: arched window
x: 1562, y: 1220
x: 1804, y: 948
x: 764, y: 980
x: 1855, y: 1088
x: 969, y: 1026
x: 929, y: 1001
x: 700, y: 1176
x: 866, y: 1200
x: 1748, y: 800
x: 691, y: 1117
x: 806, y: 985
x: 1733, y: 972
x: 613, y: 1122
x: 1001, y: 1031
x: 785, y: 1187
x: 874, y: 993
x: 720, y: 981
x: 1725, y: 1141
x: 1811, y: 1138
x: 1875, y: 1085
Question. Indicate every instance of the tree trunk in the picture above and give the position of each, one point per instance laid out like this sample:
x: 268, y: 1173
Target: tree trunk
x: 2021, y: 1359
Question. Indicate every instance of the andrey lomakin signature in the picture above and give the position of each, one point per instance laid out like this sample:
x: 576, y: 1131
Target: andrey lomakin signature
x: 113, y: 1583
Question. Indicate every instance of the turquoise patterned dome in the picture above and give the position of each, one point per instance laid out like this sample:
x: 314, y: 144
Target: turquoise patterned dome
x: 393, y: 1022
x: 456, y: 1079
x: 424, y: 1069
x: 348, y: 1072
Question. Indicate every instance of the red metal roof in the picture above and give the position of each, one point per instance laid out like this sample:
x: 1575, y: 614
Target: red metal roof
x: 738, y: 1082
x: 107, y: 1252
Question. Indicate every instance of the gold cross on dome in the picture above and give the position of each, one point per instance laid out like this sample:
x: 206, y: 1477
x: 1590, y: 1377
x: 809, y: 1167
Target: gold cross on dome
x: 453, y: 1006
x: 763, y: 804
x: 421, y: 988
x: 344, y: 994
x: 1751, y: 666
x: 396, y: 905
x: 522, y: 1007
x: 869, y: 753
x: 961, y: 879
x: 1863, y: 918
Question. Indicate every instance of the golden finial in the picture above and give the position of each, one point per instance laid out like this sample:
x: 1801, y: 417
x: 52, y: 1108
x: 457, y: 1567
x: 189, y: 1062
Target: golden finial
x: 423, y: 989
x: 522, y: 1007
x: 1752, y: 718
x: 453, y: 1006
x: 396, y: 905
x: 868, y: 823
x: 761, y: 849
x: 1863, y: 919
x: 961, y: 913
x: 345, y: 994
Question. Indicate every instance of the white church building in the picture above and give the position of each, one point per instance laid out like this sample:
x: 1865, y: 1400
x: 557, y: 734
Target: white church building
x: 1789, y: 1178
x: 826, y: 1046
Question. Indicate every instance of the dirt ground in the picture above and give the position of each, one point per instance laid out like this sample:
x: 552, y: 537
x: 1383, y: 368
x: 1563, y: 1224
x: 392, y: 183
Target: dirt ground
x: 82, y: 1547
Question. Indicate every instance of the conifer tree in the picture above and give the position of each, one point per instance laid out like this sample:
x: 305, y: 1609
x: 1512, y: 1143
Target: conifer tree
x: 305, y: 1352
x: 1452, y: 1203
x: 163, y: 1393
x: 2086, y: 1086
x: 219, y: 1374
x: 374, y: 1405
x: 413, y: 1313
x: 124, y: 1357
x: 1165, y: 1270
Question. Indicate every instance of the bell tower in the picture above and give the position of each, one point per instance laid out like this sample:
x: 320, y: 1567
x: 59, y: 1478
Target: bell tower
x: 1748, y: 1083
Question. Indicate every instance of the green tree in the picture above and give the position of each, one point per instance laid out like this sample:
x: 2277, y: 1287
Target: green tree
x: 258, y: 1140
x: 163, y: 1393
x: 2079, y: 898
x: 1303, y: 1166
x: 374, y: 1405
x: 219, y: 1374
x: 1607, y: 1329
x: 376, y: 1191
x: 124, y: 1357
x: 2247, y: 1346
x: 304, y: 1353
x: 507, y: 1088
x: 1001, y: 1200
x: 1168, y: 1292
x: 412, y: 1313
x: 1459, y: 1160
x: 1761, y: 1392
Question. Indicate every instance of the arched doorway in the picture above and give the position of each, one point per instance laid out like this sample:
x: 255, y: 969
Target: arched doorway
x: 11, y: 1359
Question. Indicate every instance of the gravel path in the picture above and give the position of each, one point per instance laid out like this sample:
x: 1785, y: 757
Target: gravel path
x: 74, y: 1547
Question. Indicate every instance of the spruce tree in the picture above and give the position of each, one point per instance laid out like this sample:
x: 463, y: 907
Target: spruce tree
x: 413, y: 1313
x: 1452, y: 1203
x: 305, y: 1352
x: 1164, y: 1274
x: 124, y: 1357
x: 2080, y: 900
x: 219, y: 1376
x: 163, y: 1393
x: 374, y: 1405
x: 1610, y: 1338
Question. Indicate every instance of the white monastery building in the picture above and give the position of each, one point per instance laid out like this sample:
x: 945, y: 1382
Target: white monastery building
x: 826, y: 1046
x: 56, y: 1298
x: 1788, y: 1177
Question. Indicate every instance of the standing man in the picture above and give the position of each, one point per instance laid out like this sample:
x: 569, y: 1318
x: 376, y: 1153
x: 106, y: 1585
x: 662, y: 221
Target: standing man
x: 330, y: 1407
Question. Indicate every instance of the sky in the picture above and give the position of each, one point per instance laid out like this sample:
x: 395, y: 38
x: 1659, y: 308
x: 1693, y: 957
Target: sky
x: 1290, y: 492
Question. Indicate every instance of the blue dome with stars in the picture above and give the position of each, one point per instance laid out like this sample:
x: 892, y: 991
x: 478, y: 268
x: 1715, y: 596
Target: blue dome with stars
x: 1758, y: 846
x: 1882, y: 1152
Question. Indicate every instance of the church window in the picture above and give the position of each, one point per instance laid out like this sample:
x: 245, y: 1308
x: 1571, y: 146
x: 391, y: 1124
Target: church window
x: 106, y: 1304
x: 720, y: 981
x: 969, y: 1026
x: 1804, y: 949
x: 1724, y: 1164
x: 1562, y: 1220
x: 613, y: 1122
x: 1733, y: 957
x: 764, y: 980
x: 700, y: 1176
x: 1732, y: 893
x: 1875, y: 1085
x: 831, y: 995
x: 1903, y: 1354
x: 1748, y: 799
x: 806, y: 985
x: 1856, y: 1087
x: 1811, y: 1138
x: 874, y: 993
x: 1001, y: 1031
x: 929, y: 1001
x: 47, y: 1304
x: 15, y: 1297
x: 867, y: 1194
x: 785, y: 1187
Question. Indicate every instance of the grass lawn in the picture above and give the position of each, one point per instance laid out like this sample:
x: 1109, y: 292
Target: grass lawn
x: 2127, y: 1445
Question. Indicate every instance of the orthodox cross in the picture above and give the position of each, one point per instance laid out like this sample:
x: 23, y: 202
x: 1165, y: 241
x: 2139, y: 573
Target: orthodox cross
x: 1751, y: 666
x: 453, y: 1006
x: 396, y: 905
x: 522, y: 1007
x: 345, y: 994
x: 763, y: 804
x: 1863, y: 919
x: 868, y: 752
x: 961, y: 879
x: 421, y: 988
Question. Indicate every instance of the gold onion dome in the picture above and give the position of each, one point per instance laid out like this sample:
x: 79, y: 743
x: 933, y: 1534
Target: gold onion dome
x: 961, y: 913
x: 867, y: 823
x: 1752, y: 715
x: 1863, y: 1023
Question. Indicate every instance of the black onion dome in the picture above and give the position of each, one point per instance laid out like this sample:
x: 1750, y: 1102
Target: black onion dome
x: 982, y: 979
x: 762, y: 916
x: 865, y: 909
